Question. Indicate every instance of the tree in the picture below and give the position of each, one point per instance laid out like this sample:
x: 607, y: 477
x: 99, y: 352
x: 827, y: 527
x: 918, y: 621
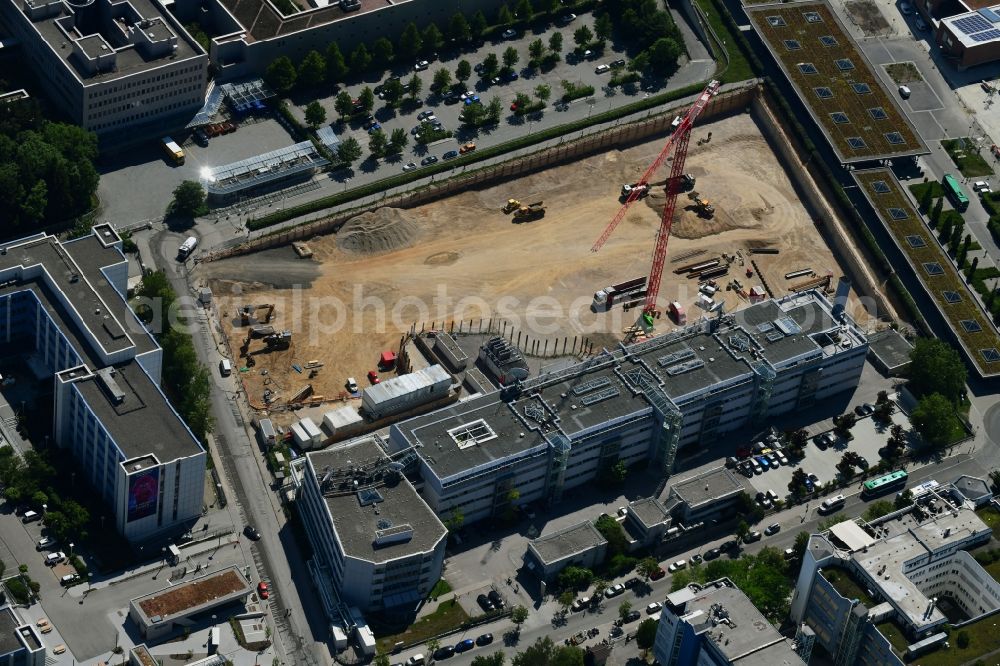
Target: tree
x: 189, y: 199
x: 647, y: 567
x: 478, y: 25
x: 566, y: 599
x: 383, y: 52
x: 582, y: 37
x: 903, y: 499
x: 543, y: 652
x: 361, y: 59
x: 556, y: 42
x: 433, y: 39
x: 548, y: 6
x: 518, y: 614
x: 925, y: 200
x: 336, y: 67
x: 600, y: 585
x: 937, y: 367
x: 280, y: 74
x: 944, y: 230
x: 799, y: 547
x: 844, y: 423
x: 392, y: 92
x: 536, y: 50
x: 344, y: 104
x: 663, y: 55
x: 463, y: 71
x: 936, y: 211
x: 575, y: 578
x: 433, y: 645
x: 846, y: 466
x: 742, y: 529
x: 646, y: 633
x: 315, y: 114
x: 524, y: 11
x: 510, y: 57
x: 410, y: 41
x: 612, y: 530
x: 504, y: 17
x: 932, y: 418
x: 797, y: 486
x: 493, y: 110
x: 491, y: 65
x: 962, y: 639
x: 349, y: 150
x: 366, y: 99
x: 614, y: 474
x: 543, y: 91
x: 382, y: 659
x: 459, y: 29
x: 495, y: 659
x: 378, y: 143
x: 415, y: 85
x: 312, y: 70
x: 878, y: 509
x: 624, y: 608
x: 442, y: 80
x: 603, y: 27
x: 398, y: 140
x: 956, y: 237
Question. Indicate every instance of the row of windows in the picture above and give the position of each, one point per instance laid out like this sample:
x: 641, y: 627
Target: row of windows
x: 126, y: 120
x: 172, y: 87
x: 128, y: 85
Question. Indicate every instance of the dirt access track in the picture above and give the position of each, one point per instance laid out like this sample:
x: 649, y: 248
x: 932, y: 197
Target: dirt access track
x: 461, y: 258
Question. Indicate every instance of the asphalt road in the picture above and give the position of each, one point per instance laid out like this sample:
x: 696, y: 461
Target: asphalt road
x: 297, y: 618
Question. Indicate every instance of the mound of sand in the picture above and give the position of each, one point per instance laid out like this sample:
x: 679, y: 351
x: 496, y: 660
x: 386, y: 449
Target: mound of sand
x: 378, y: 231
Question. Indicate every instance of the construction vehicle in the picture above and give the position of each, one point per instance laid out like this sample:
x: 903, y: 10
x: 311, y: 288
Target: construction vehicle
x: 247, y: 311
x: 278, y: 340
x: 529, y: 213
x: 676, y: 312
x: 677, y: 145
x: 820, y: 282
x: 605, y: 298
x: 510, y: 206
x: 641, y: 190
x: 702, y: 206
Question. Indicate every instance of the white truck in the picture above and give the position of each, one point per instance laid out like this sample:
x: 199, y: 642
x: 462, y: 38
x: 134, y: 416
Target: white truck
x: 187, y: 247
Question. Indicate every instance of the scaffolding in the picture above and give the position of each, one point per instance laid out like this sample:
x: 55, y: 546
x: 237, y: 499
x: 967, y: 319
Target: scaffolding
x: 282, y: 164
x: 764, y: 377
x: 668, y: 439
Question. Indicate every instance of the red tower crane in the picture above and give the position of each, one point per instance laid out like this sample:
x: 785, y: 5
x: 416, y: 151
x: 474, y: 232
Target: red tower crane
x: 678, y: 144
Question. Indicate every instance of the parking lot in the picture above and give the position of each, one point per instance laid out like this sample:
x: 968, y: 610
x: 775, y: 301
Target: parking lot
x: 869, y: 436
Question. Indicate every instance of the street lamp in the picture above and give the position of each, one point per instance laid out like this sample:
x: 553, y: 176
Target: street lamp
x: 71, y: 549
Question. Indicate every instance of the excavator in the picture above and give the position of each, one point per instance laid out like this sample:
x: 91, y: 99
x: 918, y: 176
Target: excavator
x: 529, y: 213
x: 510, y: 206
x: 703, y: 207
x: 247, y: 311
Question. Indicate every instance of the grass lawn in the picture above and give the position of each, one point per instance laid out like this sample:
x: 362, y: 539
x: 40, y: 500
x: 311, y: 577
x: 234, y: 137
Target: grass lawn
x: 448, y: 615
x: 848, y: 588
x: 739, y: 68
x: 983, y: 637
x: 903, y: 72
x: 937, y: 189
x: 992, y: 519
x: 894, y: 635
x: 440, y: 587
x: 965, y: 156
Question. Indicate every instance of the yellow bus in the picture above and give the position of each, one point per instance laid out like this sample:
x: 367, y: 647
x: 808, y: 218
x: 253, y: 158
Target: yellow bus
x: 173, y: 151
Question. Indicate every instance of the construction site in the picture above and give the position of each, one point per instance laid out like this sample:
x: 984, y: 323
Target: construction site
x: 521, y: 251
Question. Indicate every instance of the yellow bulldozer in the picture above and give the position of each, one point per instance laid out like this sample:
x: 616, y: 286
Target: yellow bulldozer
x: 510, y: 206
x: 703, y: 207
x: 534, y: 211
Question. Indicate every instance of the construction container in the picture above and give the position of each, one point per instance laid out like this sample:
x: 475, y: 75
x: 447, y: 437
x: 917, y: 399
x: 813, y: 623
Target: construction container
x: 757, y: 294
x: 342, y: 421
x: 677, y: 313
x: 312, y: 431
x: 405, y: 392
x: 504, y: 360
x: 265, y: 430
x: 446, y: 347
x: 302, y: 439
x: 704, y: 302
x: 387, y: 360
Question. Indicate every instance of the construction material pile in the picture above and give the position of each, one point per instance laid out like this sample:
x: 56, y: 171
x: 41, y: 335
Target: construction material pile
x: 379, y: 231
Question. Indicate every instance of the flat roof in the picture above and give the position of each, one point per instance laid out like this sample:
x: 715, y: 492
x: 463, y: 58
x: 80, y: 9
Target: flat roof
x: 947, y: 289
x: 851, y: 535
x: 835, y: 81
x: 397, y: 387
x: 143, y: 423
x: 722, y: 613
x: 194, y: 595
x: 709, y: 355
x: 9, y: 641
x: 358, y: 515
x: 263, y: 21
x: 978, y: 27
x: 550, y: 548
x: 890, y: 348
x: 648, y: 511
x: 128, y: 60
x: 708, y: 487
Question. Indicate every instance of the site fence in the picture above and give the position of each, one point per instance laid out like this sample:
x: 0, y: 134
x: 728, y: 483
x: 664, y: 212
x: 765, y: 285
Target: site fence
x: 569, y: 149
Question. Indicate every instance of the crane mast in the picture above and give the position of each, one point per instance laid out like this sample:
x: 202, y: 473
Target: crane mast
x: 677, y: 144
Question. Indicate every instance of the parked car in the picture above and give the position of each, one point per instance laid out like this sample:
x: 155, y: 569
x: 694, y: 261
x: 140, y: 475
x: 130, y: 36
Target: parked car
x: 53, y: 559
x: 981, y: 186
x: 467, y: 148
x: 45, y: 543
x: 614, y: 591
x: 44, y: 626
x: 566, y: 19
x: 728, y: 546
x: 262, y: 590
x: 495, y: 598
x: 484, y: 603
x: 658, y: 574
x: 782, y: 459
x: 864, y: 409
x: 509, y: 34
x: 511, y: 76
x: 602, y: 69
x: 752, y: 536
x: 200, y: 137
x: 373, y: 377
x: 763, y: 500
x: 862, y: 462
x: 465, y: 646
x: 484, y: 639
x: 421, y: 65
x: 904, y: 92
x: 789, y: 554
x: 374, y: 128
x: 696, y: 559
x: 580, y: 604
x: 452, y: 99
x: 450, y: 155
x: 763, y: 462
x: 69, y: 579
x: 251, y: 532
x: 677, y: 566
x: 653, y: 608
x: 445, y: 652
x: 618, y: 63
x: 415, y: 660
x: 712, y: 553
x: 773, y: 528
x: 59, y: 649
x: 472, y: 99
x: 424, y: 115
x: 430, y: 159
x: 631, y: 582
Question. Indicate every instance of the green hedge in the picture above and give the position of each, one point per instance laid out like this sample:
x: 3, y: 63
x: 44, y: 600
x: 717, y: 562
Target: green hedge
x: 743, y: 63
x: 653, y: 101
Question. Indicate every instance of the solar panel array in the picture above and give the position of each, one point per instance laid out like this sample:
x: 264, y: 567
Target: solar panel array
x: 986, y: 36
x: 600, y: 396
x: 979, y: 27
x: 687, y: 366
x: 765, y: 327
x: 679, y: 355
x: 972, y: 24
x: 774, y: 336
x: 591, y: 385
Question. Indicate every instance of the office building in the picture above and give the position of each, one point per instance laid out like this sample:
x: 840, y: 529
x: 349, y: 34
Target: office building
x: 635, y: 404
x: 706, y: 496
x: 580, y: 545
x: 20, y: 642
x: 112, y: 66
x: 896, y: 568
x: 716, y: 625
x: 63, y: 309
x: 377, y: 546
x: 160, y: 613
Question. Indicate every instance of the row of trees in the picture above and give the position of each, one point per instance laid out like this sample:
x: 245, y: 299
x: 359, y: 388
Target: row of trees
x: 32, y: 479
x: 937, y: 376
x: 47, y: 172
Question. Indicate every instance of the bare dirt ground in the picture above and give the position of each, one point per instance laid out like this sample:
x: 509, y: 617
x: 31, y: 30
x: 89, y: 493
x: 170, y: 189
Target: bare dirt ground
x: 867, y: 16
x: 461, y: 259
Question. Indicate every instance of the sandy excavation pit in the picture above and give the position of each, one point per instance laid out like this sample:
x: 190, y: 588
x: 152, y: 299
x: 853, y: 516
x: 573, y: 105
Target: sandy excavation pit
x: 461, y: 258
